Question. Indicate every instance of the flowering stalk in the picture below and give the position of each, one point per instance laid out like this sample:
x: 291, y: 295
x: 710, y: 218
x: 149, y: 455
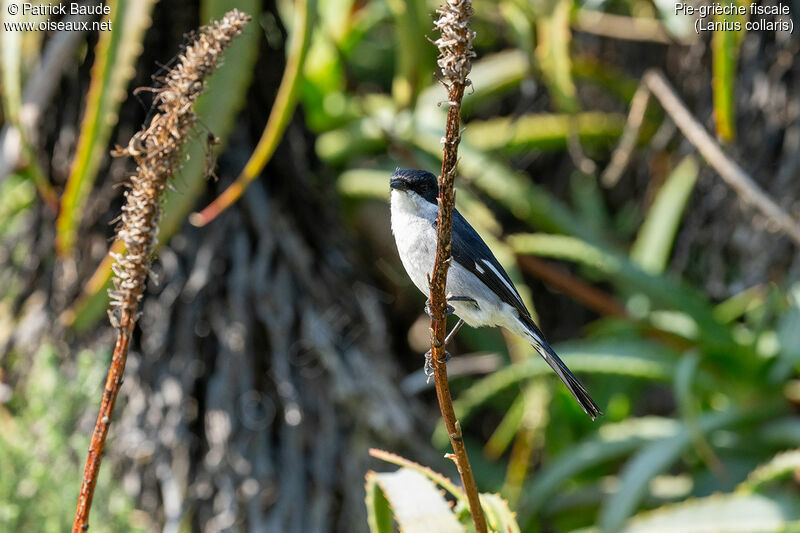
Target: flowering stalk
x: 157, y: 150
x: 455, y: 62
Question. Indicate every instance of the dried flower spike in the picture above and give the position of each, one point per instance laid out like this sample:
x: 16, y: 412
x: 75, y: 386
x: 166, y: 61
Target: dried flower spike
x: 157, y: 150
x: 455, y: 43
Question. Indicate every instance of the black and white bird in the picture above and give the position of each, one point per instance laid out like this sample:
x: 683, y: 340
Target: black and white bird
x: 478, y: 289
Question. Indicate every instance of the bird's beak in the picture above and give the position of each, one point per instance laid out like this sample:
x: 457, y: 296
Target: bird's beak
x: 399, y: 184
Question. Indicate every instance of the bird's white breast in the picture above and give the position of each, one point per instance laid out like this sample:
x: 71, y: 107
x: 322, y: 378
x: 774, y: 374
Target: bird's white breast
x: 415, y: 235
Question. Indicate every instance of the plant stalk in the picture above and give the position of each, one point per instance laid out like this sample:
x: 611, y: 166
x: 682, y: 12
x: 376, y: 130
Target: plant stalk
x: 455, y: 46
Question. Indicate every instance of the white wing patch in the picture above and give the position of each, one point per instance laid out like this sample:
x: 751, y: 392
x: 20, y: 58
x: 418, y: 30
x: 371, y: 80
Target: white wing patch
x: 502, y: 278
x: 479, y: 269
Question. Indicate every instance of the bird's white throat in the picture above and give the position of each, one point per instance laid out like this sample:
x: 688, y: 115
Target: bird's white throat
x: 414, y: 234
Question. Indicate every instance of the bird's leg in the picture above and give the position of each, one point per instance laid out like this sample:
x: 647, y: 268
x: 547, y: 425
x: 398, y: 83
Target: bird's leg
x: 447, y: 356
x: 450, y: 309
x: 454, y: 331
x: 428, y: 367
x: 429, y: 311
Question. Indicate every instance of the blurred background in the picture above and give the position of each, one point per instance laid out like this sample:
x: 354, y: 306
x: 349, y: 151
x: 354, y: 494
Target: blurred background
x: 280, y: 341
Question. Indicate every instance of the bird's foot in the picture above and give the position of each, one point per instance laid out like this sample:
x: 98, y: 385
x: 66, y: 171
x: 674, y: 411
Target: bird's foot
x: 429, y: 362
x: 450, y: 308
x: 429, y: 311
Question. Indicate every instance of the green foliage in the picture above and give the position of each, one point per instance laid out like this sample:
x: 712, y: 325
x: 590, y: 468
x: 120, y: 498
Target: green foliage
x: 725, y: 56
x: 216, y: 109
x: 693, y: 388
x: 115, y: 57
x: 696, y: 391
x: 411, y: 498
x: 41, y: 451
x: 722, y: 513
x: 652, y: 246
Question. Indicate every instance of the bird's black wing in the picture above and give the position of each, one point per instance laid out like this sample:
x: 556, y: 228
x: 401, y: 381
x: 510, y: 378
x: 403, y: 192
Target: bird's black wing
x: 471, y: 252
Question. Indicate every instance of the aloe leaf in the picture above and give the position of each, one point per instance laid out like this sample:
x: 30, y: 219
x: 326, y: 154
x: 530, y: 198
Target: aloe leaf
x: 611, y: 442
x: 506, y: 430
x: 552, y: 52
x: 788, y: 328
x: 685, y: 373
x: 629, y: 277
x: 587, y: 199
x: 10, y: 68
x: 364, y: 183
x: 640, y: 359
x: 379, y: 512
x: 413, y: 52
x: 416, y: 503
x: 650, y: 461
x: 529, y: 439
x: 492, y: 76
x: 525, y: 200
x: 783, y: 465
x: 655, y: 239
x: 281, y: 113
x: 499, y: 517
x: 359, y: 137
x: 518, y: 19
x: 783, y: 432
x: 216, y: 108
x: 543, y: 131
x: 605, y: 75
x: 115, y: 57
x: 722, y: 513
x: 429, y: 473
x: 737, y: 305
x: 724, y: 58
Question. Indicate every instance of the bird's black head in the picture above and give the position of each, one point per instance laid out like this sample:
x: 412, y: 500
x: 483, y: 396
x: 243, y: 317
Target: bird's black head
x: 421, y: 182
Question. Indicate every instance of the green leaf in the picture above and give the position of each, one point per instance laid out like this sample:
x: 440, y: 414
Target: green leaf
x: 611, y: 441
x: 379, y: 512
x: 115, y: 58
x: 416, y: 503
x: 783, y: 465
x: 543, y: 131
x: 685, y: 373
x: 724, y: 57
x: 630, y: 277
x: 721, y: 513
x: 654, y: 242
x: 506, y: 430
x: 429, y: 473
x: 499, y: 517
x: 737, y: 305
x: 641, y: 359
x: 492, y: 76
x: 650, y: 461
x: 413, y: 52
x: 525, y: 200
x: 552, y: 51
x: 10, y: 68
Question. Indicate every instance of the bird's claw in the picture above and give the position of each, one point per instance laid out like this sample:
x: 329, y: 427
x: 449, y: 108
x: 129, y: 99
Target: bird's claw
x: 429, y: 362
x: 429, y: 311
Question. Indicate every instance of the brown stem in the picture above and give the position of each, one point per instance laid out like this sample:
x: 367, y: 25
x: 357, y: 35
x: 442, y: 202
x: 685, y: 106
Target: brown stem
x: 98, y: 442
x: 455, y: 55
x: 439, y: 304
x: 157, y: 150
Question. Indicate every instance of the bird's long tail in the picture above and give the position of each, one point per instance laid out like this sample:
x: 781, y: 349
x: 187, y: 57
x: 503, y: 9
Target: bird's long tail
x: 537, y: 340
